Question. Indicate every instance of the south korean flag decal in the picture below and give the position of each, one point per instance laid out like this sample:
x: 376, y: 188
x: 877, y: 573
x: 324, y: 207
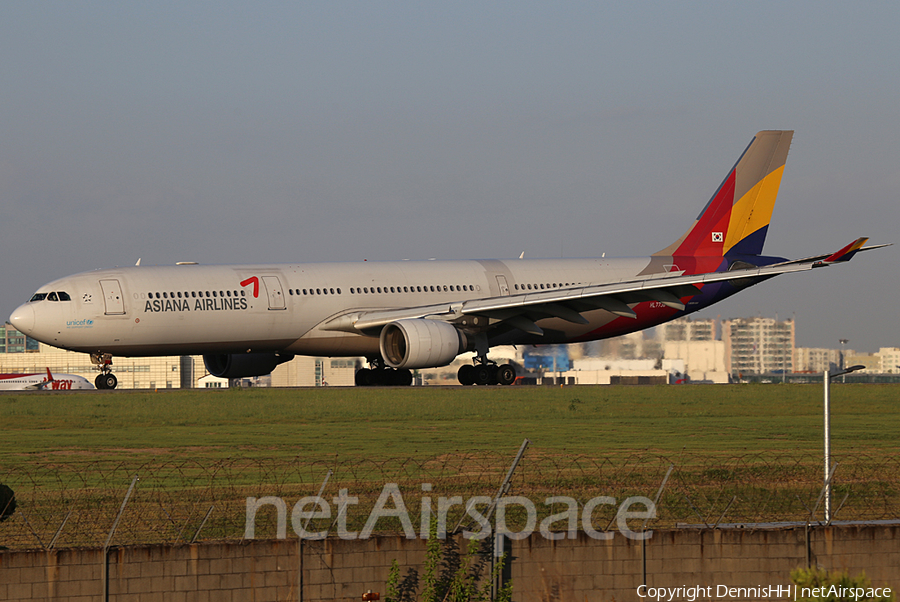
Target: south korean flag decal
x: 718, y: 237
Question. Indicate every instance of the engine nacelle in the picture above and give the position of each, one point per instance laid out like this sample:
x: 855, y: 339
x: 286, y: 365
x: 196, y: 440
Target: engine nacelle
x: 420, y: 343
x: 243, y: 365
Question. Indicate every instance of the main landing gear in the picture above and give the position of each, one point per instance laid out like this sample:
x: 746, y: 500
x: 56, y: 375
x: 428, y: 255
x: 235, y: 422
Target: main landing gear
x: 106, y: 379
x: 380, y: 375
x: 486, y: 372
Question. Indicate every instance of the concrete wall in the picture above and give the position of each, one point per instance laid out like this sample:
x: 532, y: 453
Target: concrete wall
x: 542, y: 570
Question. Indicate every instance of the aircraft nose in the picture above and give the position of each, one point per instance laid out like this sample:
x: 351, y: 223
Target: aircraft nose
x: 22, y: 319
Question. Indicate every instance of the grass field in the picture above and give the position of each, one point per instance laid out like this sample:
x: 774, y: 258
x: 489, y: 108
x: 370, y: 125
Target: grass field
x: 755, y: 448
x: 424, y: 422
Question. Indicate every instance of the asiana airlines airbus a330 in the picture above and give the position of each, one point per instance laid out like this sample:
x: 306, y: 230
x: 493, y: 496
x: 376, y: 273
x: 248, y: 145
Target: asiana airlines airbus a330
x: 247, y: 319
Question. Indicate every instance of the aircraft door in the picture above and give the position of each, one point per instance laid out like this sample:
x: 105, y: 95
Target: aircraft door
x: 504, y: 285
x: 112, y: 297
x: 276, y: 294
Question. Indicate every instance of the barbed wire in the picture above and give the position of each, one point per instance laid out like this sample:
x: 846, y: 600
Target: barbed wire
x: 74, y: 503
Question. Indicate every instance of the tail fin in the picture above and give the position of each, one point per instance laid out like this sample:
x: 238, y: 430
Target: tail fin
x: 736, y: 219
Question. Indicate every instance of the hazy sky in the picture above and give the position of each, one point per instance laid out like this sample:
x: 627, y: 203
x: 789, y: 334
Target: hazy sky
x: 286, y: 132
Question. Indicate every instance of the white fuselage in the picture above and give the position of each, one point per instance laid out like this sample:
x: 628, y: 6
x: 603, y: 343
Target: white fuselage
x: 194, y: 309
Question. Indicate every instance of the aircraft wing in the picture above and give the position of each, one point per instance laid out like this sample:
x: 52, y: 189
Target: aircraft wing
x: 520, y: 311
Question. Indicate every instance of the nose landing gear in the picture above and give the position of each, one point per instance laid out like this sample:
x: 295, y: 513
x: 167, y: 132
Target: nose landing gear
x: 106, y: 379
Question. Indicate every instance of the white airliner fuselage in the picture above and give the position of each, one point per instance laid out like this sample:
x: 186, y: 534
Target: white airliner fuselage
x: 143, y: 311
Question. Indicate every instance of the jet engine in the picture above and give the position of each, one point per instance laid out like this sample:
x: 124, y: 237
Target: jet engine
x: 241, y: 365
x: 420, y: 343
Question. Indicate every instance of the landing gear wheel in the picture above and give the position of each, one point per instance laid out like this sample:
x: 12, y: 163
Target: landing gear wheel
x: 506, y: 374
x: 378, y: 377
x: 466, y: 375
x: 485, y: 374
x: 402, y: 378
x: 374, y: 377
x: 106, y: 381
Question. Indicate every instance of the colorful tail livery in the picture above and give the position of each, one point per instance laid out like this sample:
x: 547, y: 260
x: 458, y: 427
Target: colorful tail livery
x: 736, y: 219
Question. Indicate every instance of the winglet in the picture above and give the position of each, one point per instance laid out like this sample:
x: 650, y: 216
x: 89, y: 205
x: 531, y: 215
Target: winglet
x: 49, y: 376
x: 847, y: 253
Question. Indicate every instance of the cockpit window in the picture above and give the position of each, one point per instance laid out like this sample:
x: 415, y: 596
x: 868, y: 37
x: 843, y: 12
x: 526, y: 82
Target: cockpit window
x: 38, y: 297
x: 52, y: 297
x: 64, y: 296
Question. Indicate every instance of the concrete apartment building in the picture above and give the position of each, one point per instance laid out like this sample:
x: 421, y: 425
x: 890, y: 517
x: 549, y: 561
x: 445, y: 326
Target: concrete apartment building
x: 816, y: 359
x: 697, y: 344
x: 758, y: 345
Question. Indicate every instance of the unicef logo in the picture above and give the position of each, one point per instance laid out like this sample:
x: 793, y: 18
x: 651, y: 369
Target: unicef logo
x: 85, y: 323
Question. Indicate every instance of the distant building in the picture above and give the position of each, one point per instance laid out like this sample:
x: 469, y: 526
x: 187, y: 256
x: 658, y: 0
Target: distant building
x: 686, y: 329
x: 871, y: 361
x: 704, y: 361
x: 13, y: 341
x: 816, y: 360
x: 758, y: 345
x: 890, y: 360
x: 605, y: 371
x: 629, y: 346
x: 695, y: 342
x: 212, y: 382
x: 305, y: 371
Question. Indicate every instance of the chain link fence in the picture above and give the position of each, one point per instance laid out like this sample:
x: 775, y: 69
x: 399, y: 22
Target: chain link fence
x: 75, y: 503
